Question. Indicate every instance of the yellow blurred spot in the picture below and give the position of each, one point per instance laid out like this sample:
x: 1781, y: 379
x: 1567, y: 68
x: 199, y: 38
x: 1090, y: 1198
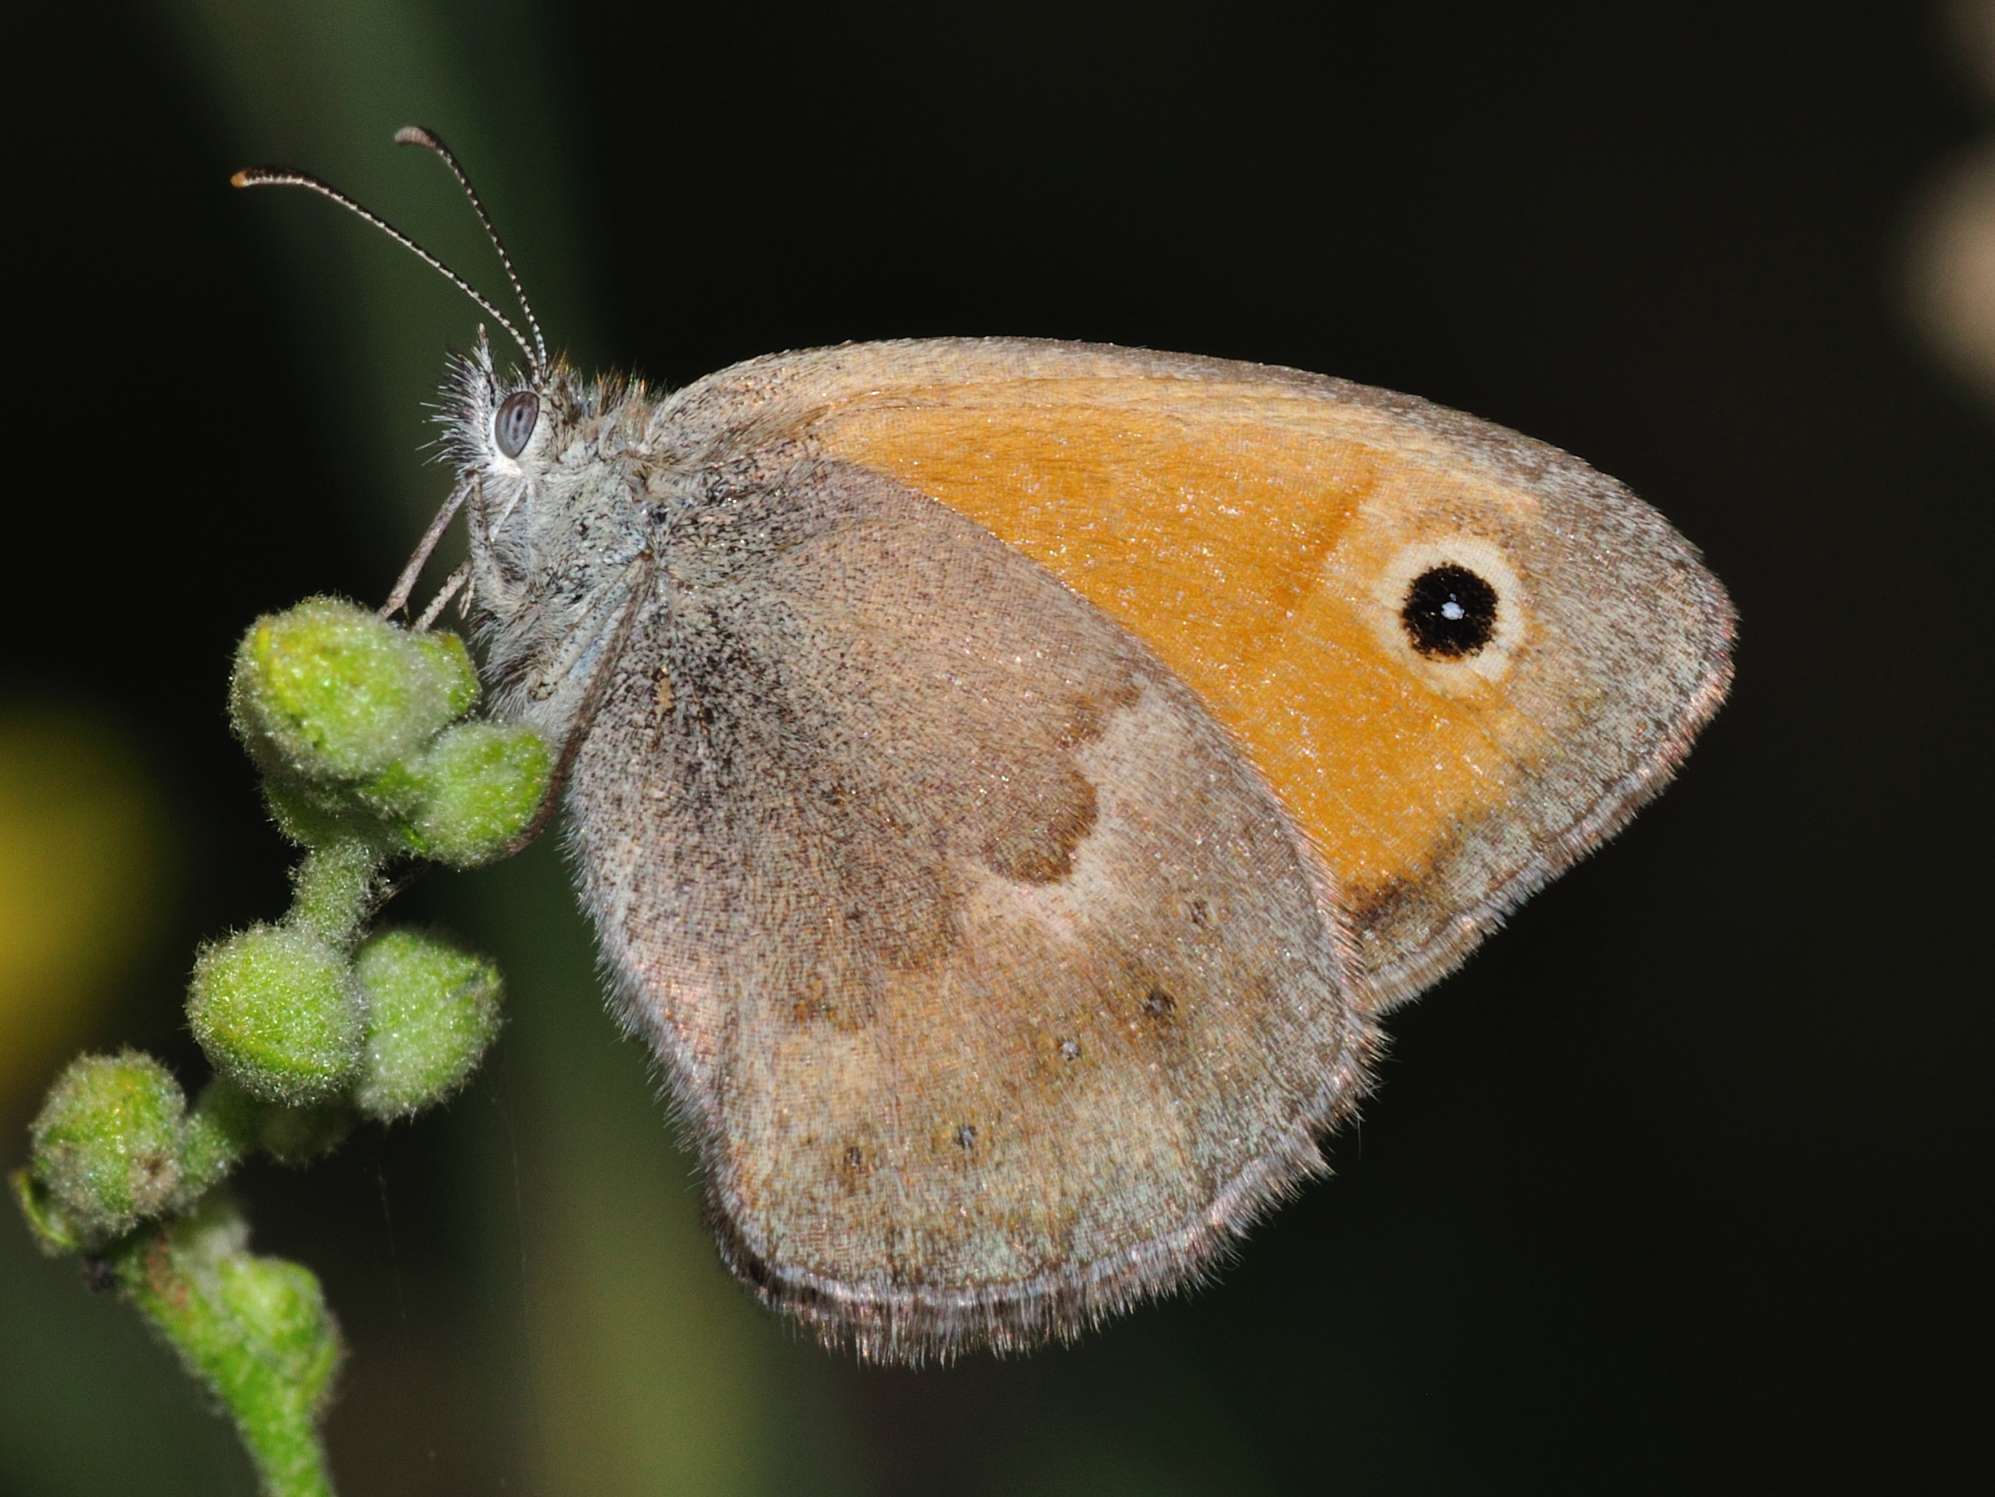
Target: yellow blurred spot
x: 81, y: 843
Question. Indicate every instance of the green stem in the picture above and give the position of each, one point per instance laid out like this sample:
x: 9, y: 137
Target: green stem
x: 332, y: 890
x: 255, y: 1331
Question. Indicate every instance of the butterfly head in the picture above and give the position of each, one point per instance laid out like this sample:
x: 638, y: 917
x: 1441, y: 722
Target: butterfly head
x: 549, y: 456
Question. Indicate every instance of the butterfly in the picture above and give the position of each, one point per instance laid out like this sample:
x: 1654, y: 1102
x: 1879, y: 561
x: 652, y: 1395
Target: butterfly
x: 1011, y: 780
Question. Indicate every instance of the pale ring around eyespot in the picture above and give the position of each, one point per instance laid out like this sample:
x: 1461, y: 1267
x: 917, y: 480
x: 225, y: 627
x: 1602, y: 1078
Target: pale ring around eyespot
x: 1474, y: 553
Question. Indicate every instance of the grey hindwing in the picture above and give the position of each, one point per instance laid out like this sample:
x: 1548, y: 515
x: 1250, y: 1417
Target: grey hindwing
x: 997, y: 985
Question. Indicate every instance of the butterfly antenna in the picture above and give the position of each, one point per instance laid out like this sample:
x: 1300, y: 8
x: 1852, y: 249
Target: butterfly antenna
x: 269, y: 176
x: 429, y: 140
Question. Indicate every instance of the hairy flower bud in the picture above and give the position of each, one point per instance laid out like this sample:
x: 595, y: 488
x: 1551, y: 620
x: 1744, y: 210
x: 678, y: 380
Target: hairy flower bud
x: 326, y: 691
x: 106, y: 1145
x: 277, y: 1012
x: 481, y: 783
x: 432, y: 1011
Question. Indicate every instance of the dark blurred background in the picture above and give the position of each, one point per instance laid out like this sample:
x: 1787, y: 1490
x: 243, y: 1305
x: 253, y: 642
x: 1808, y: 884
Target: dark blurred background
x: 1684, y: 1180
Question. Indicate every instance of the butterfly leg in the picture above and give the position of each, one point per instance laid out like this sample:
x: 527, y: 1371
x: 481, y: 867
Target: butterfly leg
x: 405, y: 584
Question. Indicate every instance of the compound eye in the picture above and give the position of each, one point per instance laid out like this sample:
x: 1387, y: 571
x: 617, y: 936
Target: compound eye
x: 513, y: 426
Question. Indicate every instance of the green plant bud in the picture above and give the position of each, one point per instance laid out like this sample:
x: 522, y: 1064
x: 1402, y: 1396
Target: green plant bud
x: 106, y: 1145
x: 327, y: 691
x: 255, y: 1331
x: 281, y: 1314
x: 451, y: 664
x: 276, y: 1011
x: 482, y: 784
x: 319, y: 815
x: 297, y: 1136
x: 395, y: 793
x: 433, y: 1009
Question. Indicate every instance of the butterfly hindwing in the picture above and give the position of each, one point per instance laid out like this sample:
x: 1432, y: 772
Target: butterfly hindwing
x: 998, y: 986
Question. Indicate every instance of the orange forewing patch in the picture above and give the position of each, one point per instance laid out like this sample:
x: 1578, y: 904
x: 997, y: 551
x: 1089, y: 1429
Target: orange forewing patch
x: 1241, y: 533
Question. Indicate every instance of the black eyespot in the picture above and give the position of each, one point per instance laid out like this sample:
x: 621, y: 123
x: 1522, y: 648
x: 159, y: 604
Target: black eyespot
x: 1450, y: 612
x: 518, y: 414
